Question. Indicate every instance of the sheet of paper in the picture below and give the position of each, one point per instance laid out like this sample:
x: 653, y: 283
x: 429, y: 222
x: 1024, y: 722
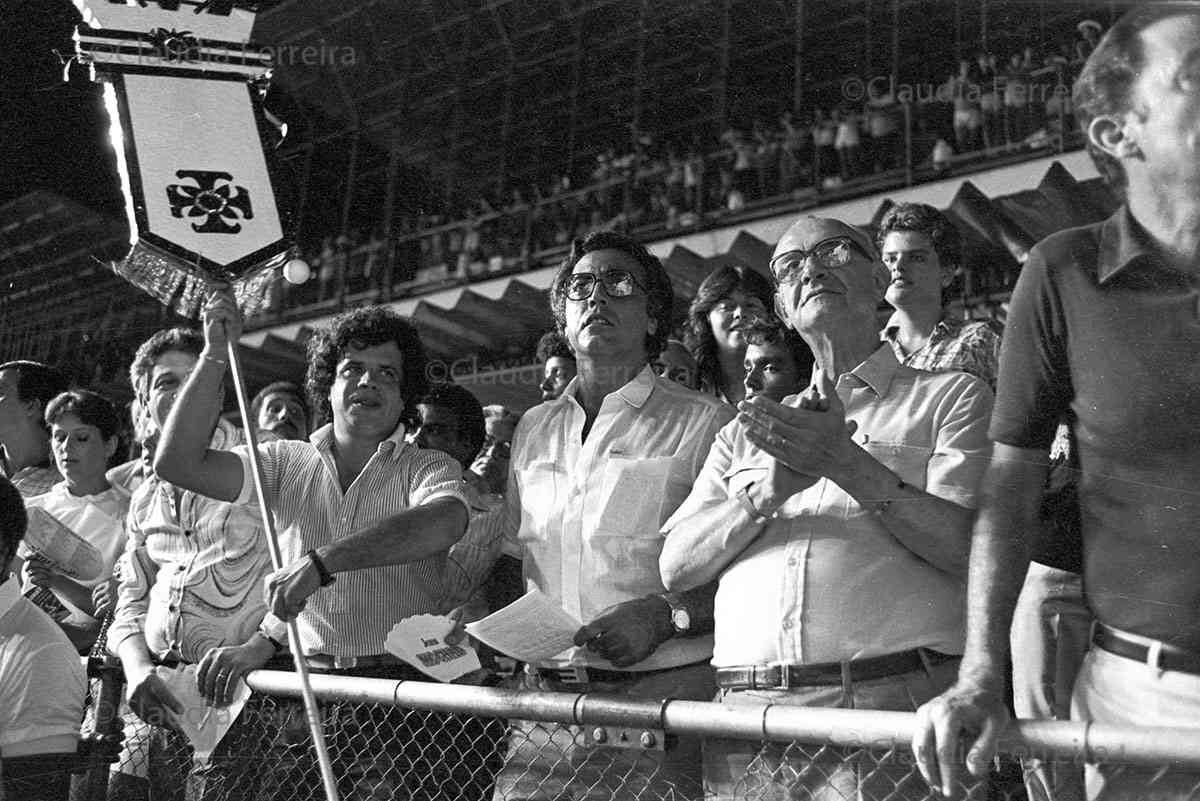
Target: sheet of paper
x: 67, y: 551
x: 204, y: 725
x: 420, y: 641
x: 532, y: 628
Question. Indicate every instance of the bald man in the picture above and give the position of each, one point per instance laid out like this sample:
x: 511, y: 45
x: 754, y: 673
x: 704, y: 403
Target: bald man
x: 837, y: 524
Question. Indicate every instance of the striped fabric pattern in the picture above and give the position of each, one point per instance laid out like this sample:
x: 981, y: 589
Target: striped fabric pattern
x: 353, y: 616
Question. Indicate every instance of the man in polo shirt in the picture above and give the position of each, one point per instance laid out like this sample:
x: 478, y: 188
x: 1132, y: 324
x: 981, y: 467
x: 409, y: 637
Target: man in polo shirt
x: 592, y: 477
x: 25, y: 389
x: 837, y: 523
x: 1103, y: 328
x: 364, y: 518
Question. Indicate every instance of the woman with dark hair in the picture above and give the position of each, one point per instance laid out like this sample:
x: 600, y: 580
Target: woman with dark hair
x: 83, y: 438
x: 728, y: 301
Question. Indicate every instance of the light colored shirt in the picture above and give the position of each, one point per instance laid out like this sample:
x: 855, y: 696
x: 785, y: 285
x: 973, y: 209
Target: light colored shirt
x: 352, y: 616
x: 41, y: 680
x: 97, y: 519
x: 471, y: 558
x: 192, y: 571
x: 587, y: 514
x: 823, y: 580
x: 971, y: 346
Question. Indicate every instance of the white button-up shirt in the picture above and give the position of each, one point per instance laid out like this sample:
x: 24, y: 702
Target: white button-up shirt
x: 352, y: 616
x: 824, y: 580
x: 587, y: 514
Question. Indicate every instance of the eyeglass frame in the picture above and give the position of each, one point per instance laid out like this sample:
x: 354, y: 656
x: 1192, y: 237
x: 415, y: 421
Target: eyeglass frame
x: 805, y: 255
x: 601, y: 278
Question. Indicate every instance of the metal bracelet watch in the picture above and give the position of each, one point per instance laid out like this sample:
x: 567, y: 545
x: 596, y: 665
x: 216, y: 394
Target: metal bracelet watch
x: 326, y: 578
x: 681, y: 617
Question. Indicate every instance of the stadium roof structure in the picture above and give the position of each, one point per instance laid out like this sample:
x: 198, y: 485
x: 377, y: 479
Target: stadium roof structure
x: 446, y: 99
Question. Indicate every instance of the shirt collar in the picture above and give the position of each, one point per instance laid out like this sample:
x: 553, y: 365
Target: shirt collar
x: 634, y: 393
x: 8, y: 595
x: 322, y: 440
x: 1122, y: 242
x: 878, y: 370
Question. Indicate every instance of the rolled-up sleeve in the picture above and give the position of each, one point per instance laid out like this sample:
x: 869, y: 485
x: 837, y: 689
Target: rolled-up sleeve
x: 137, y: 575
x: 962, y: 449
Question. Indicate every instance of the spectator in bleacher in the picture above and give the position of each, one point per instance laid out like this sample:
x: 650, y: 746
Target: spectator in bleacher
x: 83, y: 430
x: 676, y: 364
x: 647, y: 438
x: 1102, y: 330
x: 25, y: 389
x: 366, y: 517
x: 778, y: 361
x: 992, y: 88
x: 824, y: 134
x: 41, y: 680
x: 848, y: 142
x: 1087, y: 40
x: 726, y: 302
x: 558, y: 364
x: 968, y: 119
x: 837, y: 525
x: 190, y: 590
x: 923, y: 250
x: 1017, y: 82
x: 280, y: 411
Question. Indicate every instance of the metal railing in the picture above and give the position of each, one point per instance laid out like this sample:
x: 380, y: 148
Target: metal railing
x: 415, y: 740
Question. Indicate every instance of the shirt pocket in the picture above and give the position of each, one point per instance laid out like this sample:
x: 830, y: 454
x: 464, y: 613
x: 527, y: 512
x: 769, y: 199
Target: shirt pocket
x: 908, y: 460
x: 625, y: 542
x: 539, y: 493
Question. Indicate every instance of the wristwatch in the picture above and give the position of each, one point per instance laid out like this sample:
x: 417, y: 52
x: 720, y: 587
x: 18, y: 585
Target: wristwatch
x: 681, y: 618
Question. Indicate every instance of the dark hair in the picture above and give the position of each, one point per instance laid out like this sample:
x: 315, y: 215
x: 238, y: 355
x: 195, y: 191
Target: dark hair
x: 184, y: 340
x: 13, y: 522
x: 91, y: 408
x: 554, y: 345
x: 37, y: 381
x: 365, y: 328
x: 720, y: 284
x: 1106, y: 82
x: 465, y: 407
x: 770, y: 332
x: 660, y: 296
x: 924, y: 219
x: 280, y: 388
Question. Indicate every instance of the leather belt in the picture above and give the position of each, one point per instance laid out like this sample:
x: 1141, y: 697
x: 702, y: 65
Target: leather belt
x: 784, y: 677
x: 331, y: 662
x: 582, y: 674
x: 1156, y: 654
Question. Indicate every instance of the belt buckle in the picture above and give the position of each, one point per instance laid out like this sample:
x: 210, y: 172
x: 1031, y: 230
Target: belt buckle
x: 572, y: 674
x: 345, y: 662
x: 785, y: 677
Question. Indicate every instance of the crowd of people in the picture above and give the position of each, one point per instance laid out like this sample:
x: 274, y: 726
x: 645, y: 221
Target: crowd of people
x: 984, y: 104
x: 789, y: 506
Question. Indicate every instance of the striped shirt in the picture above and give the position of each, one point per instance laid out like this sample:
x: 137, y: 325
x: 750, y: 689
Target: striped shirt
x: 192, y: 571
x: 352, y: 616
x: 471, y: 558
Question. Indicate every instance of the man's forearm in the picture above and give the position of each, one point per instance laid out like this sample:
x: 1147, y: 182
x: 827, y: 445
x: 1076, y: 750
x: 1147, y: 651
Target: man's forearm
x: 135, y: 656
x: 933, y: 528
x: 188, y: 429
x: 409, y: 536
x: 698, y: 547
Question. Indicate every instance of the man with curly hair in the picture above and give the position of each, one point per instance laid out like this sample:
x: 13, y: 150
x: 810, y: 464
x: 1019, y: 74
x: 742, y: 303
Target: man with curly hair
x: 593, y: 475
x: 365, y: 519
x: 558, y: 364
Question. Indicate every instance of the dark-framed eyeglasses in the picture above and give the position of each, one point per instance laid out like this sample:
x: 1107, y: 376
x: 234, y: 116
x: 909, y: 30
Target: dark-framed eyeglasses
x: 828, y: 253
x: 617, y: 284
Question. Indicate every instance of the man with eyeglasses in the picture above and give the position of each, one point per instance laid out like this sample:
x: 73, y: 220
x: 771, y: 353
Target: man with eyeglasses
x: 837, y: 525
x: 593, y: 476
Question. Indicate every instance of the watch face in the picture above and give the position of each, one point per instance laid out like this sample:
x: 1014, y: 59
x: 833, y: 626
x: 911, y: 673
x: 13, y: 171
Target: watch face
x: 681, y: 620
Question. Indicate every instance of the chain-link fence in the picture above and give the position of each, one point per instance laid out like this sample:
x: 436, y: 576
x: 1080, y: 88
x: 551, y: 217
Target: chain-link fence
x: 427, y: 742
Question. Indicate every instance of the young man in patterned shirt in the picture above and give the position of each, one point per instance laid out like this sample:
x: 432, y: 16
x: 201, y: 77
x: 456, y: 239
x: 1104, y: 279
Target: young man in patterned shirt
x: 923, y: 249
